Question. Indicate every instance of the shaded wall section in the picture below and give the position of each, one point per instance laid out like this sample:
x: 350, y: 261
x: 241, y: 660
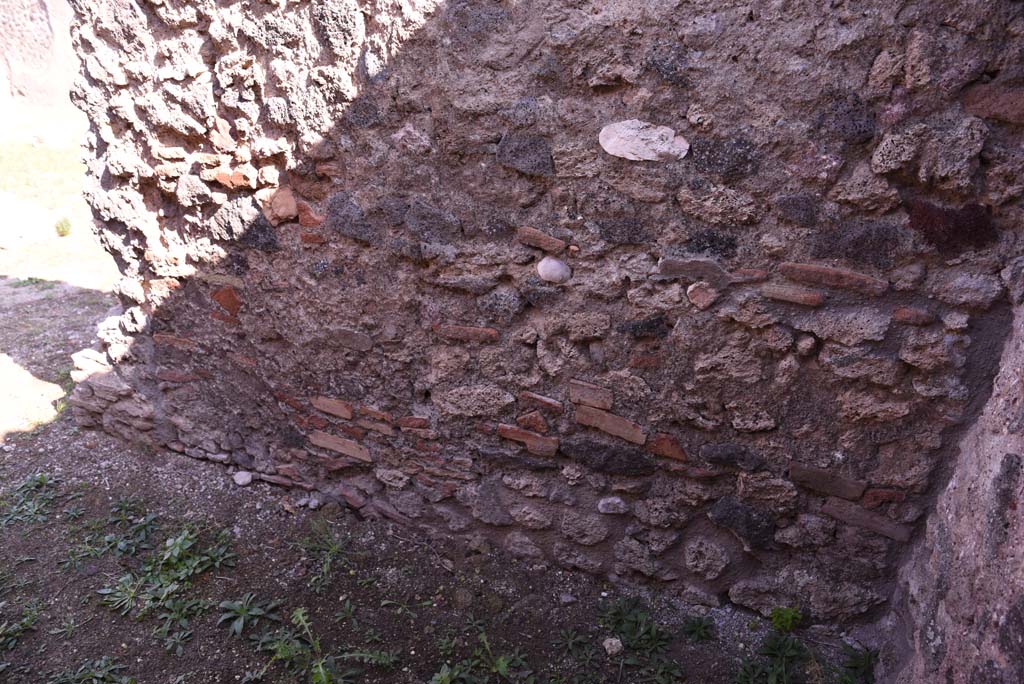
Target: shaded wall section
x: 961, y: 596
x: 697, y: 296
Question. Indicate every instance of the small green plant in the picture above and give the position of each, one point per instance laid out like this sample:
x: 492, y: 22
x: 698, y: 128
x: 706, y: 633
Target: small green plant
x: 858, y: 666
x: 69, y: 628
x: 347, y: 614
x: 31, y: 500
x: 784, y: 653
x: 399, y: 607
x: 125, y: 595
x: 11, y: 632
x: 247, y: 612
x: 632, y: 622
x: 299, y: 650
x: 751, y: 672
x: 63, y: 227
x: 785, y: 619
x: 485, y: 666
x: 27, y: 282
x: 106, y: 670
x: 699, y: 629
x: 328, y: 550
x: 160, y: 586
x: 572, y: 644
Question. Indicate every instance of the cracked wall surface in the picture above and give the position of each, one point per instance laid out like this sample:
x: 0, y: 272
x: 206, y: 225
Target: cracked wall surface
x: 702, y: 295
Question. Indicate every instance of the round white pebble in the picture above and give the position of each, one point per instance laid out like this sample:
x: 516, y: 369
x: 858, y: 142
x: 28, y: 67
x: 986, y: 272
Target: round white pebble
x: 553, y: 270
x: 243, y: 478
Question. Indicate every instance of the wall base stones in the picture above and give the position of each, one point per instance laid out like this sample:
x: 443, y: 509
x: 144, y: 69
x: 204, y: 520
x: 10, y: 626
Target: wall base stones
x: 378, y: 252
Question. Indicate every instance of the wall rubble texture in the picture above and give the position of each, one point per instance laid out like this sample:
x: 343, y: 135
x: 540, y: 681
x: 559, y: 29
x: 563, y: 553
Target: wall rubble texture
x: 378, y: 250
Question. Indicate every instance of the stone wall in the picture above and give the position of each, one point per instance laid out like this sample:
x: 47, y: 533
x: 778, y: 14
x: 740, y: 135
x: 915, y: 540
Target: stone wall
x: 699, y: 294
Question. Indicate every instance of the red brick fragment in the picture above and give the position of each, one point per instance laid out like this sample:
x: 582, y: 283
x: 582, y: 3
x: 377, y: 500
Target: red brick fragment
x: 662, y: 444
x: 534, y: 421
x: 852, y: 514
x: 413, y: 422
x: 875, y: 497
x: 998, y: 100
x: 540, y: 401
x: 610, y: 423
x: 376, y: 426
x: 840, y: 278
x: 465, y: 333
x: 749, y: 275
x: 312, y: 238
x: 646, y: 361
x: 286, y: 398
x: 587, y: 393
x: 353, y: 431
x: 308, y: 218
x: 826, y: 481
x: 228, y: 298
x: 317, y: 422
x: 374, y: 414
x: 534, y: 443
x: 793, y: 295
x: 335, y: 407
x: 539, y: 239
x: 912, y: 316
x: 238, y: 178
x: 169, y: 375
x: 341, y: 445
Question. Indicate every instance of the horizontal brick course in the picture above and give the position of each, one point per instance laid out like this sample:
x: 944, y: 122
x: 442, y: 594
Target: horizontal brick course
x: 852, y: 514
x: 340, y: 445
x: 839, y: 278
x: 335, y: 407
x: 610, y: 423
x: 826, y: 481
x: 534, y: 443
x: 581, y: 392
x: 793, y: 294
x: 539, y: 239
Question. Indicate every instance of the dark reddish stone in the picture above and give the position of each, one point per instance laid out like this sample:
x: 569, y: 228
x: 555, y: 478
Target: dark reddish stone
x: 611, y: 459
x: 951, y: 230
x: 527, y: 154
x: 755, y: 527
x: 662, y: 444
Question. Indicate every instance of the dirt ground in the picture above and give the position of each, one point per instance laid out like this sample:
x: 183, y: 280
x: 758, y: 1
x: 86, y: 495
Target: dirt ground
x: 115, y: 561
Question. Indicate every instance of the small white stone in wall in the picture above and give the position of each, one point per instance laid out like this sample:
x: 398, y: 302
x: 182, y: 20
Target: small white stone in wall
x: 553, y: 270
x: 243, y: 478
x: 641, y: 141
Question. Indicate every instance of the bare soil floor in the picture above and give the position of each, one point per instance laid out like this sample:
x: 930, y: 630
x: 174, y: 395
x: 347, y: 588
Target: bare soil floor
x: 122, y: 565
